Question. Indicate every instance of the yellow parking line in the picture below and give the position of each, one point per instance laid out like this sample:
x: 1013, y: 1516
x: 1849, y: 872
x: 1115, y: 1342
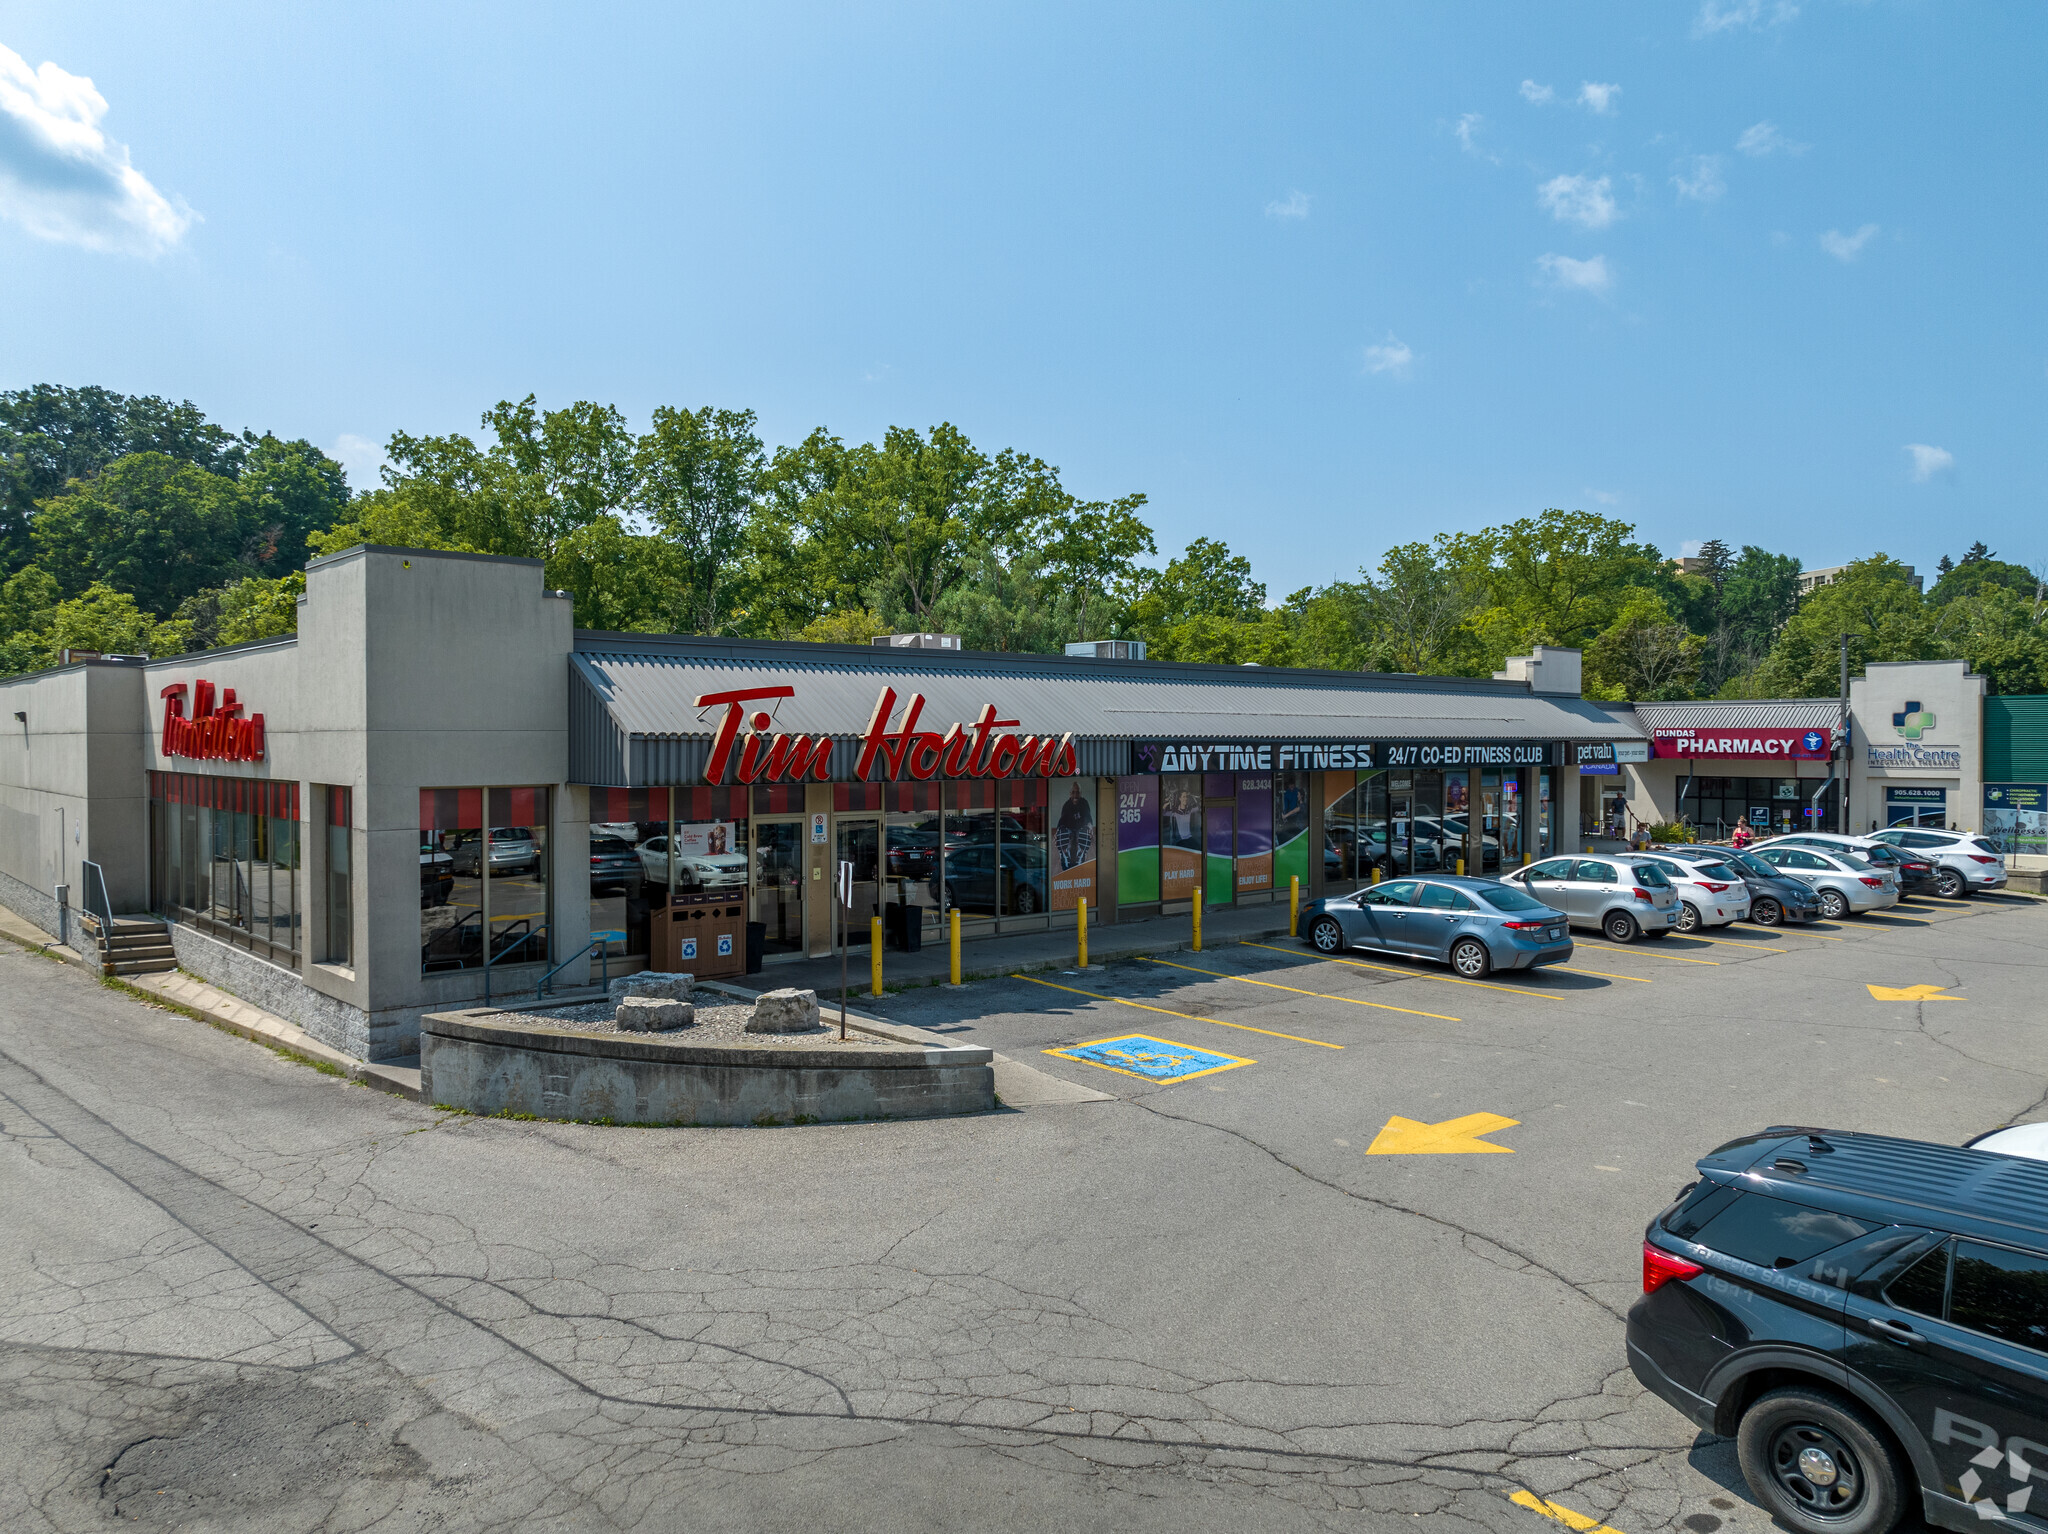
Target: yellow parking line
x: 1651, y: 953
x: 1729, y: 942
x: 1485, y: 985
x: 1639, y: 980
x: 1297, y: 990
x: 1557, y: 1512
x: 1189, y: 1016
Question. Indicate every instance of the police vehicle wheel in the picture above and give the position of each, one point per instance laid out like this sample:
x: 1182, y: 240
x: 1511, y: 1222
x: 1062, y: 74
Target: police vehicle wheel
x: 1470, y: 958
x: 1766, y: 913
x: 1949, y: 885
x: 1833, y: 905
x: 1327, y: 935
x: 1819, y: 1463
x: 1688, y: 916
x: 1620, y: 927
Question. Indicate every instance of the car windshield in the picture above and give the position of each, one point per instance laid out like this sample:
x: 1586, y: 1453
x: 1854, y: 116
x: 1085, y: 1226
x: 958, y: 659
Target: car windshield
x: 611, y: 846
x: 1650, y: 874
x: 1849, y: 860
x: 1506, y: 897
x: 511, y: 834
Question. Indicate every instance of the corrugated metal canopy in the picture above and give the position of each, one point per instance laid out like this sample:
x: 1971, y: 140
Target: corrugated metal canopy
x: 649, y: 688
x: 1746, y: 714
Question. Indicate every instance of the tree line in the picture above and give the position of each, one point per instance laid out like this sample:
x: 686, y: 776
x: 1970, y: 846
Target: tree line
x: 134, y: 525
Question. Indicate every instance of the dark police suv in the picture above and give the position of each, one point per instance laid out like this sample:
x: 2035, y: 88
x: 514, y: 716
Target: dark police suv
x: 1864, y: 1316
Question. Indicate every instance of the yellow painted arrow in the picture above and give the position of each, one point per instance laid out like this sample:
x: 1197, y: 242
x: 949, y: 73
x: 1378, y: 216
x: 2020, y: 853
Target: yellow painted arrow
x: 1909, y: 993
x: 1453, y: 1137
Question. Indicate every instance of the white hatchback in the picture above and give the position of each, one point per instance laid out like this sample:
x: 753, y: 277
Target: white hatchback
x: 1709, y: 894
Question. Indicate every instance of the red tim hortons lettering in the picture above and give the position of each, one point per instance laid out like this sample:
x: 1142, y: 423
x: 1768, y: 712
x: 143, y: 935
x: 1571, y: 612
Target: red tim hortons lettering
x: 979, y: 751
x: 217, y: 732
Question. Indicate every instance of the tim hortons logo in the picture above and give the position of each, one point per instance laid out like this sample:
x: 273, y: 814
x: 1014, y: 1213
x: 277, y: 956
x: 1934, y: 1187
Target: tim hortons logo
x: 987, y: 748
x: 215, y: 731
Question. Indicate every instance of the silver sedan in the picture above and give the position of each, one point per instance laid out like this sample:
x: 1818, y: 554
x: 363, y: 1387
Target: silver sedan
x: 1846, y: 885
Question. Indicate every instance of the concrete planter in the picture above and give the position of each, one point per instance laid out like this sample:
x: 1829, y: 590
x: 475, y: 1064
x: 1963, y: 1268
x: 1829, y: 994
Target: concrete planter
x: 494, y: 1067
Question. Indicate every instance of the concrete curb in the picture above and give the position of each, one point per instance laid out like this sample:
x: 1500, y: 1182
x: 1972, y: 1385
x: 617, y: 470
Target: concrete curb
x: 253, y: 1023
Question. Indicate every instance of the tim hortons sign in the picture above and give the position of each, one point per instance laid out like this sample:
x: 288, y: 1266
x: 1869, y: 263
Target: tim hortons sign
x: 987, y: 748
x: 212, y: 731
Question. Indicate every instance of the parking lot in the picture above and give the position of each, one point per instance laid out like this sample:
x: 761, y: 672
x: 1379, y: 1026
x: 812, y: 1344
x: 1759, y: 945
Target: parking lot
x: 1344, y: 1242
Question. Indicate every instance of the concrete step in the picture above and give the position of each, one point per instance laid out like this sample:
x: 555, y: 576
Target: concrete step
x: 141, y: 966
x: 123, y: 942
x: 158, y: 953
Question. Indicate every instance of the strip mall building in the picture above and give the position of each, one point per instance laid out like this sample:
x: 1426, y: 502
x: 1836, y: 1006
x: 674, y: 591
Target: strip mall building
x: 438, y: 790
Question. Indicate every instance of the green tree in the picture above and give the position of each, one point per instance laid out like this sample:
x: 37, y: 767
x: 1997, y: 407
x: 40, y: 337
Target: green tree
x: 623, y: 581
x: 1874, y: 603
x: 1423, y: 603
x: 1557, y: 578
x: 291, y: 490
x: 147, y: 524
x: 1645, y: 654
x: 1092, y: 547
x: 700, y: 476
x: 1981, y: 568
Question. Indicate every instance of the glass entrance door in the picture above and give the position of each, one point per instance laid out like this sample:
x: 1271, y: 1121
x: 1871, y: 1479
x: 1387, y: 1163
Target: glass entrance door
x: 859, y: 842
x: 1400, y: 830
x: 778, y: 897
x: 1219, y: 880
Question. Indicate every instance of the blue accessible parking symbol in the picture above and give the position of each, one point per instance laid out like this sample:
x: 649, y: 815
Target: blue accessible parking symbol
x: 1150, y: 1059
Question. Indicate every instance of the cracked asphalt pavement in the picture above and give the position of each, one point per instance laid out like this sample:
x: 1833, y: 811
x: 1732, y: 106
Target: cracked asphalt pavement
x: 237, y: 1294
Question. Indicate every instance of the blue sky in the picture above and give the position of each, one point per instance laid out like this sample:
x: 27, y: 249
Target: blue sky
x: 1315, y: 279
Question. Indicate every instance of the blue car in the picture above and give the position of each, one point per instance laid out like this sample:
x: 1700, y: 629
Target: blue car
x: 1474, y: 925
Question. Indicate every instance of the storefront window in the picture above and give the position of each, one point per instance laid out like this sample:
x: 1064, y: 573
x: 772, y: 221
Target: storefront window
x: 1254, y: 834
x: 911, y: 830
x: 1715, y: 805
x: 971, y: 883
x: 1180, y: 836
x: 629, y: 875
x: 1290, y: 829
x: 483, y: 896
x: 340, y: 935
x: 1455, y: 831
x: 1137, y: 840
x: 777, y: 844
x: 224, y: 856
x: 1026, y: 851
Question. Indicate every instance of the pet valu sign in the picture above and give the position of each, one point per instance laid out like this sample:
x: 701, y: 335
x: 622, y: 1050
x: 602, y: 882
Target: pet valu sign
x: 749, y: 747
x: 212, y: 730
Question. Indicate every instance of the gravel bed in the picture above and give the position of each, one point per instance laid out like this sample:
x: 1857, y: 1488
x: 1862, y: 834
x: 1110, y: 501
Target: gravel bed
x: 725, y: 1023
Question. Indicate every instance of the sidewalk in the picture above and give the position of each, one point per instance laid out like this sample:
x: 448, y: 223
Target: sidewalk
x: 984, y: 958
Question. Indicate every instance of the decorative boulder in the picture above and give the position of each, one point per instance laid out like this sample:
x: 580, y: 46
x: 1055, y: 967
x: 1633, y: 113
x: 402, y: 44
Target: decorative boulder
x: 652, y: 982
x: 784, y: 1011
x: 653, y: 1014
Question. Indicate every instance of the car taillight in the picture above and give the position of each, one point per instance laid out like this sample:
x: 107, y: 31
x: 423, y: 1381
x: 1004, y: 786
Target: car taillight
x: 1528, y: 926
x: 1876, y: 884
x: 1643, y: 894
x: 1980, y: 858
x: 1716, y: 888
x: 1660, y: 1267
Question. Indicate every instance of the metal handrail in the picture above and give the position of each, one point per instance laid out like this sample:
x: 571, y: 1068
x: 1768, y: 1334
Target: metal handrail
x: 603, y: 947
x: 94, y: 879
x: 510, y: 949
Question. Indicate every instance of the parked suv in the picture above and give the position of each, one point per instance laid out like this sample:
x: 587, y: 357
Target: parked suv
x: 1623, y: 896
x: 1866, y: 1317
x: 1474, y: 925
x: 1775, y: 897
x: 1963, y: 861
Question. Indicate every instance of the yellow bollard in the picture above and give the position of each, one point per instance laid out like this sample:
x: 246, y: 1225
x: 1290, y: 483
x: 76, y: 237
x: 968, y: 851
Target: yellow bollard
x: 874, y: 955
x: 1461, y: 868
x: 1081, y: 930
x: 1293, y: 903
x: 1198, y: 921
x: 953, y: 941
x: 1375, y: 873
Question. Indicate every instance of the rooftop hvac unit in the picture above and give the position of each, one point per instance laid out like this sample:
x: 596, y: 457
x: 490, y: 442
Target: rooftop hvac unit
x: 917, y: 641
x: 1109, y: 649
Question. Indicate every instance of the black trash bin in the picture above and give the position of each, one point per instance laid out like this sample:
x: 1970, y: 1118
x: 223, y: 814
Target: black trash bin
x: 903, y: 927
x: 757, y: 944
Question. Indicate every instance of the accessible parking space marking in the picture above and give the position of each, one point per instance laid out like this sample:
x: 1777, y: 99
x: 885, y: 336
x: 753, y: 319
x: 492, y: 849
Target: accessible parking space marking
x: 1150, y: 1059
x: 1294, y: 1038
x: 1273, y: 985
x: 1411, y: 974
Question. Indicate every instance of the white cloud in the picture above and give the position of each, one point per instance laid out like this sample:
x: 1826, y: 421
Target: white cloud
x: 1929, y: 461
x: 1605, y: 497
x: 1576, y: 276
x: 1393, y: 356
x: 1294, y: 205
x: 1537, y: 95
x: 1847, y: 247
x: 1578, y: 200
x: 1596, y: 97
x: 1725, y: 15
x: 1705, y: 182
x: 361, y: 457
x: 1763, y: 138
x: 1468, y: 131
x: 62, y: 179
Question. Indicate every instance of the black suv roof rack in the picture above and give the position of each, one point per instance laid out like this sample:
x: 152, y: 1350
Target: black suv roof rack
x: 1898, y: 1182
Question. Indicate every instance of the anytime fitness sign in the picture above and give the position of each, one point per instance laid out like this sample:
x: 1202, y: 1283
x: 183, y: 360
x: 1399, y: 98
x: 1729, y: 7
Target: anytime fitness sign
x: 213, y: 731
x: 986, y: 748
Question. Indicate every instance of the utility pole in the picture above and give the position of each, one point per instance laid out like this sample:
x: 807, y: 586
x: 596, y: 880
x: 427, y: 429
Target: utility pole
x: 1842, y: 729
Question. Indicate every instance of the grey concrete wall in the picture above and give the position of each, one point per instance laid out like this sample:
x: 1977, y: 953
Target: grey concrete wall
x: 1956, y: 697
x: 71, y: 782
x: 495, y: 1068
x: 276, y: 990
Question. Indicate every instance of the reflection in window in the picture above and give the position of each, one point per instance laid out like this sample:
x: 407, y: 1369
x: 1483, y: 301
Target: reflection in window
x: 1180, y: 835
x: 340, y: 945
x: 910, y: 860
x: 224, y: 858
x: 484, y: 876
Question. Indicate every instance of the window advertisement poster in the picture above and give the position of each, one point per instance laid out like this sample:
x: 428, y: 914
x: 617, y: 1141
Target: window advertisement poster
x: 1254, y: 833
x: 705, y: 839
x: 1073, y: 844
x: 1180, y: 835
x: 1137, y: 840
x: 1290, y: 829
x: 2016, y: 817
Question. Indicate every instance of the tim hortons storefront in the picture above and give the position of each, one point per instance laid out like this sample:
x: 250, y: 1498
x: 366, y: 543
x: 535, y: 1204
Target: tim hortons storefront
x: 437, y: 790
